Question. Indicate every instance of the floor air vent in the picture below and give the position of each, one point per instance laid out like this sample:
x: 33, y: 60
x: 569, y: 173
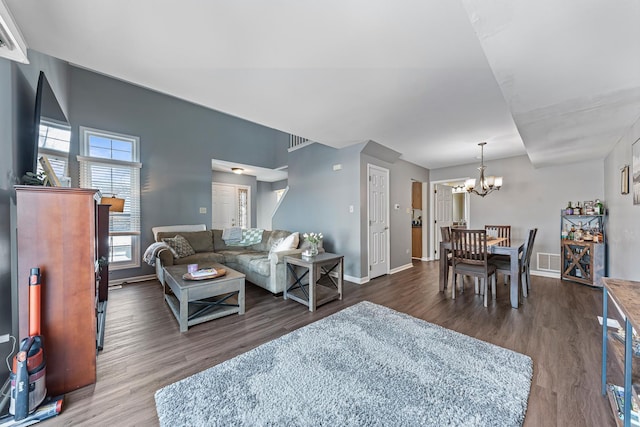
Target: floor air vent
x: 548, y: 262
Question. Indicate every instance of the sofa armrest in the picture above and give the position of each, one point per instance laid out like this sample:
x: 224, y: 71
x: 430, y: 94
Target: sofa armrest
x: 278, y: 257
x: 166, y: 257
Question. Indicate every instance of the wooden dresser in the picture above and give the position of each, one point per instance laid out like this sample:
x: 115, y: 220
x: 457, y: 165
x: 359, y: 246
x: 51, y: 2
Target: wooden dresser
x: 57, y: 232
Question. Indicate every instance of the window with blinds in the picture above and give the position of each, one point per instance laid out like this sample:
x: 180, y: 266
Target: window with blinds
x: 110, y: 163
x: 54, y: 140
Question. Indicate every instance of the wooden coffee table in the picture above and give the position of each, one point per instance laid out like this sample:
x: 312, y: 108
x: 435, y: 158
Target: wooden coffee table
x: 197, y: 301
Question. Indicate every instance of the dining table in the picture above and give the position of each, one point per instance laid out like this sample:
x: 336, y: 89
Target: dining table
x: 513, y: 248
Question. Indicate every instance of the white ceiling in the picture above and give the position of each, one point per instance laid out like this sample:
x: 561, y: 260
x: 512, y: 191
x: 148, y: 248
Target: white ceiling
x: 261, y: 174
x: 559, y: 80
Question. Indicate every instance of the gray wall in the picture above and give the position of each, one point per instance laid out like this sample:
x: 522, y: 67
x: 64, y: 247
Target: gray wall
x: 6, y: 193
x: 401, y: 176
x: 178, y: 140
x: 318, y: 200
x: 530, y: 197
x: 623, y: 232
x: 18, y: 84
x: 266, y: 202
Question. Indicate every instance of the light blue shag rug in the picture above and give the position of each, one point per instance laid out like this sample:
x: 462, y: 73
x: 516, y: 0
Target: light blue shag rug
x: 366, y: 365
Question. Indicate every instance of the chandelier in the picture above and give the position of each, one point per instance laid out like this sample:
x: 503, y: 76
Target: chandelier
x: 487, y: 184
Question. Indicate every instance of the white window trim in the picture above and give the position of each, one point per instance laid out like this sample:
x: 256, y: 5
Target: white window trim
x: 84, y: 149
x: 85, y: 142
x: 109, y: 161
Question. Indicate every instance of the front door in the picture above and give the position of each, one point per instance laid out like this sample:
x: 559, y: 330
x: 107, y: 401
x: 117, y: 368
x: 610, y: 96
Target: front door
x: 443, y: 214
x: 230, y: 206
x: 378, y: 221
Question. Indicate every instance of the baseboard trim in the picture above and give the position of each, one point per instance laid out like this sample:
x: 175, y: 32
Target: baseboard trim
x: 401, y: 268
x: 366, y: 279
x: 356, y: 280
x: 135, y: 279
x: 550, y: 274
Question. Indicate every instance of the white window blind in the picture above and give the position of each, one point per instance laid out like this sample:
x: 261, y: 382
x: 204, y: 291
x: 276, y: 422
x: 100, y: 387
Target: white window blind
x: 109, y: 163
x: 115, y: 180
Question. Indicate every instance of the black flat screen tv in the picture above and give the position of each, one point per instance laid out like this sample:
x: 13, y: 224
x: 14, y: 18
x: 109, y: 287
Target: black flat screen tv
x: 46, y: 105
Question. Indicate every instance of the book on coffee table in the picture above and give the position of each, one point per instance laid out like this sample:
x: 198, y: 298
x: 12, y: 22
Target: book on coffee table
x: 205, y: 273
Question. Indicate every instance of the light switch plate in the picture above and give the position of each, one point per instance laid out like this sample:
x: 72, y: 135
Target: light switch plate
x: 4, y: 338
x: 203, y: 210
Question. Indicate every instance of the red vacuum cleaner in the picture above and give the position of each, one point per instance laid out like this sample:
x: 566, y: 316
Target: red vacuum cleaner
x: 28, y: 388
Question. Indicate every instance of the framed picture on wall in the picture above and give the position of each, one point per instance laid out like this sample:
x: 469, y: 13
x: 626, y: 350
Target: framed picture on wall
x: 624, y: 180
x: 635, y: 153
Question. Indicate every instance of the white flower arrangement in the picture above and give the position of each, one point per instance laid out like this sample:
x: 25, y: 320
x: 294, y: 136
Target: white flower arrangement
x: 313, y: 237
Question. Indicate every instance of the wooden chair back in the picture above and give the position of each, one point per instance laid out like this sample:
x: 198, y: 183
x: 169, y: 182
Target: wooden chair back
x: 500, y: 231
x: 528, y: 249
x: 469, y: 246
x: 446, y: 233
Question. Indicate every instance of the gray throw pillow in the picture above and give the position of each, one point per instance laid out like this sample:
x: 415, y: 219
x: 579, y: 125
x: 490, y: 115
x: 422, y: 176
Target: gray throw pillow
x: 180, y: 245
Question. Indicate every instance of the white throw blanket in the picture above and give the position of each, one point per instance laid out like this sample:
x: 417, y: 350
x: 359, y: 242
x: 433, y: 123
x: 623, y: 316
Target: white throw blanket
x: 232, y: 234
x: 152, y: 251
x: 248, y: 237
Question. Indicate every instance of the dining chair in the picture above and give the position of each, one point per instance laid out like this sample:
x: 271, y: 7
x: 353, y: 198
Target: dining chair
x: 446, y: 237
x: 470, y: 258
x: 446, y: 233
x: 504, y: 267
x: 500, y: 231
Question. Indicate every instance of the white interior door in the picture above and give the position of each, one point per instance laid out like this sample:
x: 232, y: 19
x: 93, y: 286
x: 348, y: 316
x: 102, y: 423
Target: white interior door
x: 443, y: 213
x: 224, y: 209
x: 378, y: 221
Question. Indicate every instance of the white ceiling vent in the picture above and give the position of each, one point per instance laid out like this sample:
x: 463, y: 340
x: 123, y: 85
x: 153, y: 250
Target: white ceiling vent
x: 12, y: 45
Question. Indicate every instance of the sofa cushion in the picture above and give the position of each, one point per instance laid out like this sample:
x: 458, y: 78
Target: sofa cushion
x: 200, y: 241
x: 263, y: 246
x: 258, y: 262
x: 231, y: 256
x: 202, y: 259
x: 218, y: 243
x: 180, y: 245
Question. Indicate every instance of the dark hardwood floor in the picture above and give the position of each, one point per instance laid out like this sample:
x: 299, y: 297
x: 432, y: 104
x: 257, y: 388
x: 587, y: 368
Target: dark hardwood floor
x: 144, y: 350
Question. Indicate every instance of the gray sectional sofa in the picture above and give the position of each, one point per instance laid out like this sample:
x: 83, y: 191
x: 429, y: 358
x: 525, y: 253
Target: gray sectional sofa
x: 260, y: 266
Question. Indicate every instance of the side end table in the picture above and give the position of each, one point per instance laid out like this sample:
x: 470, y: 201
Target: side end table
x: 313, y: 294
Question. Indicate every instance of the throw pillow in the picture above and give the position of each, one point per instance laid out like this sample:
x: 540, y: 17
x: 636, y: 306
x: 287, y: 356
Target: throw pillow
x: 180, y: 245
x: 288, y: 243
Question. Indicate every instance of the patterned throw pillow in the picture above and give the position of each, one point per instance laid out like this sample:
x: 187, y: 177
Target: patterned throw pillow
x: 180, y: 245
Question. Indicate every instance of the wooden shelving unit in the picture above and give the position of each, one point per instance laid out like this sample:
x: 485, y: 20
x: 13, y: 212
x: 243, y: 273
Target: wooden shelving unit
x: 583, y: 261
